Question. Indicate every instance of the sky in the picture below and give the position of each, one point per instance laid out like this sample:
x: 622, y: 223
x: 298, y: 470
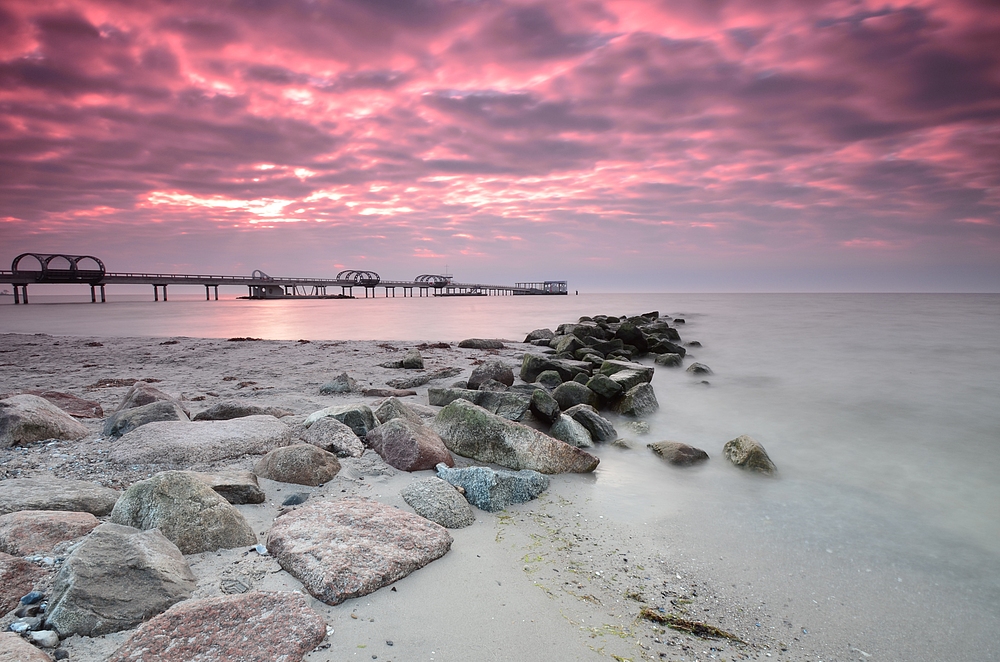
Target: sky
x: 624, y: 146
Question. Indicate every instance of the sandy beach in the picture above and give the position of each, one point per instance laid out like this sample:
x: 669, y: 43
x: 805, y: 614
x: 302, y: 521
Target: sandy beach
x: 554, y: 578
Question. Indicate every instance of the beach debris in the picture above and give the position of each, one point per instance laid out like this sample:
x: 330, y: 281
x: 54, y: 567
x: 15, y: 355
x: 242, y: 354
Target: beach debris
x: 50, y: 493
x: 188, y: 512
x: 17, y: 577
x: 747, y: 453
x: 229, y: 627
x: 677, y: 453
x: 482, y: 343
x: 226, y: 411
x: 342, y: 383
x: 301, y: 464
x: 181, y: 444
x: 335, y: 437
x: 697, y: 628
x: 491, y: 370
x: 471, y: 431
x: 30, y: 532
x: 25, y: 419
x: 493, y: 490
x: 358, y: 417
x: 116, y: 578
x: 126, y: 420
x: 408, y: 445
x: 353, y: 546
x: 568, y: 430
x: 439, y: 501
x: 236, y: 486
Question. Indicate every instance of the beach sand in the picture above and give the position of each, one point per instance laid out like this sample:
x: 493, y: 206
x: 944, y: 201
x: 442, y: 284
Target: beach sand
x: 557, y: 578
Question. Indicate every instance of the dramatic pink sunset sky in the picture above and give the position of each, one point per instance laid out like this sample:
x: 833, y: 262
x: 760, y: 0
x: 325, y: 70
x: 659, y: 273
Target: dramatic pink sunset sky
x: 622, y: 145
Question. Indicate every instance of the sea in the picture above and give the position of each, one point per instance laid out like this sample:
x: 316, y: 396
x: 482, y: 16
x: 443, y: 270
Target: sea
x: 880, y: 534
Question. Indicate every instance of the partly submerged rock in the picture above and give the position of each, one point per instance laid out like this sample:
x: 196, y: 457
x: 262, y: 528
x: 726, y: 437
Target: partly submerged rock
x: 638, y: 401
x: 493, y: 490
x: 301, y: 464
x: 28, y: 418
x: 746, y: 452
x: 568, y: 430
x: 699, y: 369
x: 50, y: 493
x: 438, y: 501
x: 677, y: 453
x: 600, y: 428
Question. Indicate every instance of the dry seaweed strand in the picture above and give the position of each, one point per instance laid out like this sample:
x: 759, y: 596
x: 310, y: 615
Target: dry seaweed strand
x: 697, y: 628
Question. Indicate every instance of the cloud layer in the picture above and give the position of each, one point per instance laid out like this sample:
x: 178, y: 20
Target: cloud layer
x: 623, y: 145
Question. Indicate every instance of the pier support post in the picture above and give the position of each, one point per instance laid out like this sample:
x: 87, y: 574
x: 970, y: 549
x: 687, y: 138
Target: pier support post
x: 93, y: 294
x: 207, y: 293
x: 216, y: 292
x: 156, y: 292
x: 24, y: 294
x: 103, y: 298
x: 164, y: 292
x: 17, y: 296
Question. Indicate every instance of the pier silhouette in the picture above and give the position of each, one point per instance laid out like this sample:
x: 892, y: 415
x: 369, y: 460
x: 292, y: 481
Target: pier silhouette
x: 44, y: 268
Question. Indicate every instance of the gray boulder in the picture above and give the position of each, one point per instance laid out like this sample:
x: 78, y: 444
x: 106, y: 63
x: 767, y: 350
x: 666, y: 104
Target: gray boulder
x: 439, y: 502
x: 74, y: 406
x: 181, y: 444
x: 346, y: 548
x: 408, y: 446
x: 570, y: 394
x: 412, y: 360
x: 669, y: 359
x: 677, y: 453
x: 630, y: 334
x: 471, y: 431
x: 496, y: 370
x: 333, y: 436
x: 638, y: 401
x: 566, y: 344
x: 533, y: 365
x: 358, y: 417
x: 395, y: 408
x: 746, y: 452
x: 229, y: 627
x: 628, y: 379
x: 539, y: 334
x: 493, y: 490
x: 566, y: 429
x: 143, y: 393
x: 126, y: 420
x: 301, y: 464
x: 342, y: 383
x: 549, y: 379
x: 511, y: 405
x: 49, y: 493
x: 115, y: 579
x: 226, y: 411
x: 544, y: 406
x: 699, y: 369
x: 236, y: 486
x: 28, y: 418
x: 481, y: 343
x: 188, y: 512
x: 607, y: 389
x: 600, y: 428
x: 612, y: 366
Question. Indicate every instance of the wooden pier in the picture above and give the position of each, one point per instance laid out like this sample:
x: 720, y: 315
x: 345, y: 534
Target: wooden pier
x: 89, y: 270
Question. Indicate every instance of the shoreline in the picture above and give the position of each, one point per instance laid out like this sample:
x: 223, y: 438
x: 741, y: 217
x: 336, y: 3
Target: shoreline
x: 548, y: 579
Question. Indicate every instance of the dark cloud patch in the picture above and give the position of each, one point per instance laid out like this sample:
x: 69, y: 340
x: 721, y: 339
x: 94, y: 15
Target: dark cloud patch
x: 516, y: 111
x: 202, y: 32
x: 274, y: 74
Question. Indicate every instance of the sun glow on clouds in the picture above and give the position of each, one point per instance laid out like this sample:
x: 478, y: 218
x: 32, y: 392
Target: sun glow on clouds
x: 264, y: 207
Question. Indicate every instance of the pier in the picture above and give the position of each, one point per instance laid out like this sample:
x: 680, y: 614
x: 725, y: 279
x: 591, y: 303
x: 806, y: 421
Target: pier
x: 38, y: 268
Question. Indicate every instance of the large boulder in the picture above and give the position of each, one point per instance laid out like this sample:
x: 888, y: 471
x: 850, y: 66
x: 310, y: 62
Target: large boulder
x: 607, y: 389
x: 699, y: 369
x: 29, y: 532
x: 439, y: 502
x: 408, y: 446
x: 638, y: 401
x: 342, y: 383
x: 333, y: 436
x: 126, y: 420
x: 746, y: 452
x: 471, y: 431
x: 539, y: 334
x: 17, y: 578
x: 533, y: 365
x: 115, y: 579
x: 677, y: 453
x: 567, y: 344
x: 600, y: 428
x: 412, y: 360
x: 612, y: 366
x: 511, y: 405
x: 544, y: 406
x: 28, y: 418
x: 566, y: 429
x: 253, y: 627
x: 570, y: 394
x: 226, y: 411
x: 301, y: 464
x: 49, y: 493
x: 235, y: 486
x: 630, y: 334
x: 392, y: 408
x: 73, y: 405
x: 353, y: 546
x: 15, y: 649
x: 181, y: 444
x: 481, y: 343
x: 495, y: 370
x: 188, y: 512
x: 358, y: 417
x: 144, y: 393
x: 493, y: 490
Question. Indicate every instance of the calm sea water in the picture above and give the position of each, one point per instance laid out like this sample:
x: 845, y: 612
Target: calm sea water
x: 882, y: 533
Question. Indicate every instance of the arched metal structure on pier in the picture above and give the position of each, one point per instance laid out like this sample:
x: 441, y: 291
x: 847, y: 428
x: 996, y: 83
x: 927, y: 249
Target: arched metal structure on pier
x: 432, y: 280
x: 358, y: 277
x: 49, y: 273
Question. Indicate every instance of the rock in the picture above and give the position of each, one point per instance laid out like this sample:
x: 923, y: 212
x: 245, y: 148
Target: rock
x: 629, y: 378
x: 28, y: 418
x: 71, y: 404
x: 699, y: 369
x: 143, y: 393
x: 493, y: 490
x: 481, y: 343
x: 387, y: 392
x: 342, y: 383
x: 394, y: 408
x: 49, y: 493
x: 533, y: 365
x: 237, y: 487
x: 630, y: 334
x: 115, y: 579
x: 491, y: 385
x: 471, y: 431
x: 670, y: 360
x: 334, y: 437
x: 44, y: 638
x: 301, y: 464
x: 677, y: 453
x: 408, y: 446
x: 566, y: 344
x: 539, y: 334
x: 412, y: 360
x: 667, y: 347
x: 15, y: 649
x: 607, y: 389
x: 612, y: 366
x: 600, y: 428
x: 544, y: 406
x: 181, y: 444
x: 568, y: 430
x: 638, y: 427
x: 352, y: 546
x: 570, y: 394
x: 253, y: 627
x: 549, y: 379
x: 17, y: 577
x: 511, y: 405
x: 188, y: 512
x: 439, y: 502
x: 638, y: 401
x: 496, y: 370
x: 126, y: 420
x: 358, y: 417
x: 225, y: 411
x: 30, y: 532
x: 746, y: 452
x: 693, y: 343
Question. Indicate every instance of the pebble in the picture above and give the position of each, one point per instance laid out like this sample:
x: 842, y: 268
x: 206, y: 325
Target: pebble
x: 61, y: 654
x: 45, y: 638
x: 295, y: 499
x: 32, y: 598
x: 26, y: 624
